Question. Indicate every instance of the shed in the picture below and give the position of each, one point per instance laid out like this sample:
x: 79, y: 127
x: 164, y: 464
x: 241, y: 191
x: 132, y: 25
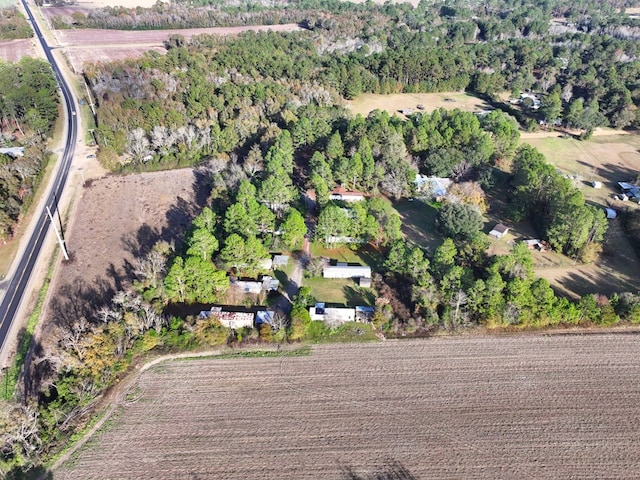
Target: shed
x: 343, y: 270
x: 611, y: 213
x: 364, y: 282
x: 596, y: 184
x: 499, y: 231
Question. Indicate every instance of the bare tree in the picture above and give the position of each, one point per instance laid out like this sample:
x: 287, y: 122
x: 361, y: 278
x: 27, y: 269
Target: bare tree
x: 138, y: 144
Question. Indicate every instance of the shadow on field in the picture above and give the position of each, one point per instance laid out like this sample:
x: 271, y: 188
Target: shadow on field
x: 391, y: 470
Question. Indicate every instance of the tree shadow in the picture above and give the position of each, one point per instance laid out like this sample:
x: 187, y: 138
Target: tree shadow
x: 390, y: 470
x: 358, y: 296
x: 39, y: 473
x: 79, y: 299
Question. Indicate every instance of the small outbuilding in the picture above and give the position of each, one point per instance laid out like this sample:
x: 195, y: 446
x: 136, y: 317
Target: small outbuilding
x: 611, y: 213
x: 596, y: 184
x: 499, y: 231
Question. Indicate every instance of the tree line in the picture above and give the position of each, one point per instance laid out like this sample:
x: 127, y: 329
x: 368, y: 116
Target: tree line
x: 28, y: 109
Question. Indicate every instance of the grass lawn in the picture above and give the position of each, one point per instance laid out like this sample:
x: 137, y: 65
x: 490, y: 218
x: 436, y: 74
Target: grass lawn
x: 339, y: 291
x: 368, y: 102
x: 418, y: 223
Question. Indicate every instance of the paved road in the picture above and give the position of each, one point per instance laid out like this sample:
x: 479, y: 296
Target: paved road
x: 16, y: 285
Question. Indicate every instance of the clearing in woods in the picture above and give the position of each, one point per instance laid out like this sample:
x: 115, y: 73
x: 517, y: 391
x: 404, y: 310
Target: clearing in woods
x: 533, y: 406
x: 367, y: 102
x: 607, y: 159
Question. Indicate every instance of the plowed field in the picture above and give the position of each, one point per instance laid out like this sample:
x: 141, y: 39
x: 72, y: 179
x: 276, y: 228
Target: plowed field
x: 483, y: 407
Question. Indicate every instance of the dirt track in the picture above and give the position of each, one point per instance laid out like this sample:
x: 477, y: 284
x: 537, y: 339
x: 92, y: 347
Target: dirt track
x: 506, y: 407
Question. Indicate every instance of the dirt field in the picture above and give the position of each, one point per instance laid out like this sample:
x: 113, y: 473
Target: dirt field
x: 92, y: 45
x: 481, y: 407
x: 117, y: 219
x: 368, y: 102
x: 14, y: 50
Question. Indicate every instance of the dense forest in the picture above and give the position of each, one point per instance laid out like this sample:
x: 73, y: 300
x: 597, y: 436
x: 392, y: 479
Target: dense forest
x: 28, y: 109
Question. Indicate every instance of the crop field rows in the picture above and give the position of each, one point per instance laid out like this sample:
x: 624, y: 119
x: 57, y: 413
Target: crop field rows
x: 490, y: 407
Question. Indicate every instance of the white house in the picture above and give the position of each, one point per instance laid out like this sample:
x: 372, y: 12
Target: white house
x: 344, y: 195
x: 344, y: 270
x: 248, y: 286
x: 332, y: 316
x: 432, y: 186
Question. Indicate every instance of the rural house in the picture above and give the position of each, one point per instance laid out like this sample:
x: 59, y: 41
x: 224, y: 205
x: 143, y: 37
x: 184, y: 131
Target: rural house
x: 499, y: 231
x: 332, y: 316
x: 233, y: 320
x: 433, y: 187
x: 344, y: 270
x: 344, y: 195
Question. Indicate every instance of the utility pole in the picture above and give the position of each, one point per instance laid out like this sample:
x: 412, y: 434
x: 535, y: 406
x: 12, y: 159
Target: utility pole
x: 63, y: 247
x: 90, y: 98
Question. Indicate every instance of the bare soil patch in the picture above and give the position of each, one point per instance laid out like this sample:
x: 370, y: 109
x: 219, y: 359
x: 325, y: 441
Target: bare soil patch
x: 476, y: 407
x: 14, y: 50
x: 119, y: 218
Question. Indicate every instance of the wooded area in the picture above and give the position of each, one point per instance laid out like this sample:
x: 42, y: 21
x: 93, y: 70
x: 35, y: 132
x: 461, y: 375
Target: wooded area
x: 28, y: 109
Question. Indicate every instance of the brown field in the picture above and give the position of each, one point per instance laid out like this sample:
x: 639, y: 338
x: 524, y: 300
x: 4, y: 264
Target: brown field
x: 368, y: 102
x: 136, y: 37
x: 95, y: 46
x: 78, y: 57
x: 118, y: 218
x: 14, y: 50
x: 558, y: 406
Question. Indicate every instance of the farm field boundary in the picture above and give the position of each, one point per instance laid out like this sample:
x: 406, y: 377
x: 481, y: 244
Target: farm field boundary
x: 529, y: 406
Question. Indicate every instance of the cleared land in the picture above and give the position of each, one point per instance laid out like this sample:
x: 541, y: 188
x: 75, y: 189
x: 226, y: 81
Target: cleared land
x: 95, y: 45
x: 119, y: 218
x: 368, y: 102
x: 607, y: 159
x: 477, y: 407
x: 14, y: 50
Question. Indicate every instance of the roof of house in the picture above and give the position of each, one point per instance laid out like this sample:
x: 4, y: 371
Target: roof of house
x: 279, y: 260
x: 500, y: 228
x: 13, y: 151
x: 248, y: 286
x: 436, y: 185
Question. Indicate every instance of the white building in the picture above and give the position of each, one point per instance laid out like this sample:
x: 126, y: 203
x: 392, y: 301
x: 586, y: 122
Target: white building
x: 344, y: 270
x: 332, y: 316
